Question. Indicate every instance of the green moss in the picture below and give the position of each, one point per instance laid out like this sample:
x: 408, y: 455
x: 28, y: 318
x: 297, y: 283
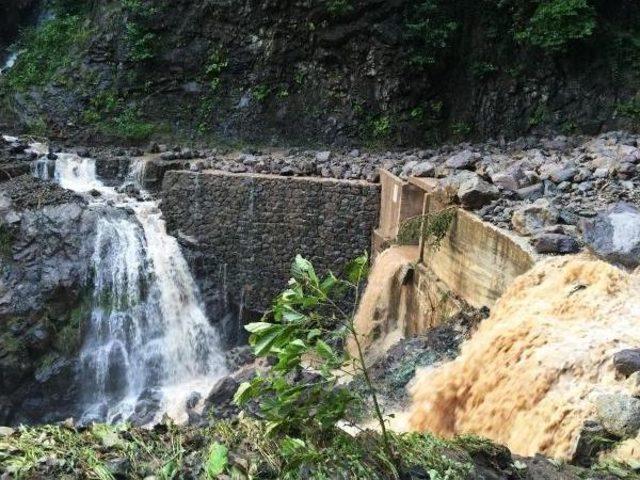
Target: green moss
x: 10, y: 344
x: 339, y: 7
x: 630, y: 110
x: 216, y: 64
x: 539, y: 115
x: 112, y: 116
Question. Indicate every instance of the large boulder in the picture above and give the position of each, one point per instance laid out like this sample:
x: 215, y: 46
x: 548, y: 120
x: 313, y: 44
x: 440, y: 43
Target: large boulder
x: 555, y: 243
x: 627, y: 361
x: 614, y: 235
x: 463, y: 160
x: 475, y: 192
x: 533, y: 217
x: 46, y: 244
x: 618, y: 413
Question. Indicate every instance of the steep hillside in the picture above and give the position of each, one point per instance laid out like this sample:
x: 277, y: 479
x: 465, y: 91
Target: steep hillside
x: 325, y: 71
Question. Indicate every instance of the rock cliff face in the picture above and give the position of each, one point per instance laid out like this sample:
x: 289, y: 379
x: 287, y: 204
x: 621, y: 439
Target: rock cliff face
x: 45, y: 240
x: 348, y: 71
x: 13, y: 15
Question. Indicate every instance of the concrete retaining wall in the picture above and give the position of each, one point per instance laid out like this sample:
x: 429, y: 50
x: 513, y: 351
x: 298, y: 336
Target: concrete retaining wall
x: 242, y: 231
x: 476, y: 261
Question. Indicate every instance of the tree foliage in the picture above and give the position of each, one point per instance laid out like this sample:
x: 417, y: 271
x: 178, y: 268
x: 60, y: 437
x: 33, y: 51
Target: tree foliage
x: 556, y: 23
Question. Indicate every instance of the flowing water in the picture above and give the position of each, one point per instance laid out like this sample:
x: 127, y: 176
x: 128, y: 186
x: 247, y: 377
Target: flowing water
x: 148, y: 345
x: 531, y: 375
x: 9, y: 62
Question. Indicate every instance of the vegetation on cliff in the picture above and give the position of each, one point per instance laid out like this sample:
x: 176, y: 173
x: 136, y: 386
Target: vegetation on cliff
x: 355, y: 71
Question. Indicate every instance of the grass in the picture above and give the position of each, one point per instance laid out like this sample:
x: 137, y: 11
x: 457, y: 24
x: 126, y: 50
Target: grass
x: 242, y: 449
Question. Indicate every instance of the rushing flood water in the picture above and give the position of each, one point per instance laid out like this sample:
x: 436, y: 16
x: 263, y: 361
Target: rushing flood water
x: 529, y: 377
x: 148, y: 344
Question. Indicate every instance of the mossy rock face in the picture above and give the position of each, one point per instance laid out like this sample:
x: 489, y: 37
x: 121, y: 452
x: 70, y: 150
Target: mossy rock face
x: 46, y: 296
x: 340, y: 71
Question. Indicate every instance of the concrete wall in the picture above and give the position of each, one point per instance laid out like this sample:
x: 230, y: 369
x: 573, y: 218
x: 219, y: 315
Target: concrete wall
x: 476, y: 261
x: 242, y: 231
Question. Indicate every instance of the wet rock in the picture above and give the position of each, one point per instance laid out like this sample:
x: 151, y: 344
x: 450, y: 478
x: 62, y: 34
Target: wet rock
x: 474, y: 192
x: 323, y: 156
x: 120, y: 468
x: 219, y: 402
x: 590, y: 443
x: 192, y: 400
x: 147, y: 406
x: 506, y: 181
x: 555, y: 243
x: 530, y: 218
x: 532, y: 192
x: 614, y: 235
x: 618, y: 413
x: 463, y: 161
x: 563, y: 174
x: 627, y: 362
x: 602, y: 172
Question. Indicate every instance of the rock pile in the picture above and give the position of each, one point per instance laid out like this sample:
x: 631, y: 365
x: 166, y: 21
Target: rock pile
x: 553, y: 190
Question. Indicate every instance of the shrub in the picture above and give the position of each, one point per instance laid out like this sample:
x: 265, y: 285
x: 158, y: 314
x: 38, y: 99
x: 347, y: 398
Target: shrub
x: 46, y: 49
x: 431, y: 28
x: 556, y: 23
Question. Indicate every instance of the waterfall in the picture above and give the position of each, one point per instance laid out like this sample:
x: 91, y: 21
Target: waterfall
x: 9, y: 62
x: 147, y: 345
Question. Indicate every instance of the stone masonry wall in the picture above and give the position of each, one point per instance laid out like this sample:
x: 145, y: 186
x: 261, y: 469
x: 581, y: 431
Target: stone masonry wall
x: 241, y: 232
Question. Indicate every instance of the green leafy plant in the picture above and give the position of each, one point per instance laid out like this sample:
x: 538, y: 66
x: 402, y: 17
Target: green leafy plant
x: 45, y: 50
x: 432, y: 228
x: 556, y: 23
x: 141, y: 41
x: 216, y: 64
x: 339, y: 7
x: 381, y: 126
x: 630, y: 110
x: 216, y: 461
x: 261, y: 92
x: 308, y: 322
x: 431, y: 28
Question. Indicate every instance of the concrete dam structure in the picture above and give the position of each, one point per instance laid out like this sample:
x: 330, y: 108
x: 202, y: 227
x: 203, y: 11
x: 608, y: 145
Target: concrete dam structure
x: 240, y: 232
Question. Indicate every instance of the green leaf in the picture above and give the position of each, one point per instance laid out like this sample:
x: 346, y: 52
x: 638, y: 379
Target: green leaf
x: 262, y: 344
x: 358, y: 269
x: 216, y: 461
x: 313, y: 334
x: 324, y: 350
x: 328, y: 283
x: 302, y: 269
x: 243, y: 393
x: 291, y: 445
x: 258, y: 327
x: 292, y: 316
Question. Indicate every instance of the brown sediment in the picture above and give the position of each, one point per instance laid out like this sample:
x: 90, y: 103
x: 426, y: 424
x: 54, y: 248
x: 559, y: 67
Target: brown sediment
x: 526, y: 377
